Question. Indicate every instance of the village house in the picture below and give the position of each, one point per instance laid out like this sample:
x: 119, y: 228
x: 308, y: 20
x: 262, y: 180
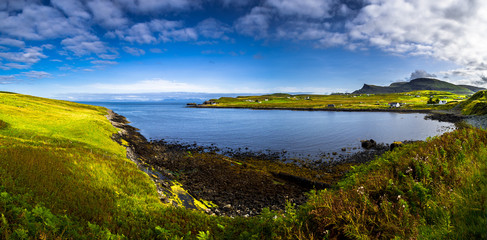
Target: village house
x: 394, y: 105
x: 442, y: 102
x: 209, y: 103
x: 331, y: 105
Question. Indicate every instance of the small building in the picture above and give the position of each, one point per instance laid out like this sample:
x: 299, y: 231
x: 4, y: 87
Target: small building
x: 394, y: 105
x: 209, y: 103
x: 442, y: 102
x: 331, y: 105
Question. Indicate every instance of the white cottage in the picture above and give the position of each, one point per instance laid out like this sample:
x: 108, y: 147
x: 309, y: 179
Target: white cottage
x: 394, y: 105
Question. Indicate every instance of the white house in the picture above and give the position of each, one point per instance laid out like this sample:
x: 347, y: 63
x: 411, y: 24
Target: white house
x: 394, y: 104
x: 442, y: 102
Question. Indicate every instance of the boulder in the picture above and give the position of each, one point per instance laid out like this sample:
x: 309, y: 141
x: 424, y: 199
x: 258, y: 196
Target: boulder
x: 369, y: 144
x: 395, y: 145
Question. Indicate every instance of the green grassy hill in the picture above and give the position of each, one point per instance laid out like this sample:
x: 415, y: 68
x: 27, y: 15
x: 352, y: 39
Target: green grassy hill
x: 414, y: 100
x: 476, y: 104
x: 62, y: 177
x: 419, y: 84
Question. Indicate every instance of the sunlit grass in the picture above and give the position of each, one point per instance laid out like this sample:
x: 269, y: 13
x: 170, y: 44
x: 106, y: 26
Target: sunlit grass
x: 60, y: 154
x: 416, y: 100
x: 62, y: 177
x: 431, y: 190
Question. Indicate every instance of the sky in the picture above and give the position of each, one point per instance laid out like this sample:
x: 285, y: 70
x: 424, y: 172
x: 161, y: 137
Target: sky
x: 78, y: 49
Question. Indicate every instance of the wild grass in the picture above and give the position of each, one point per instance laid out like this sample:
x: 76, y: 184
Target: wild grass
x: 62, y: 177
x: 416, y: 100
x: 475, y: 105
x: 430, y: 190
x: 60, y: 155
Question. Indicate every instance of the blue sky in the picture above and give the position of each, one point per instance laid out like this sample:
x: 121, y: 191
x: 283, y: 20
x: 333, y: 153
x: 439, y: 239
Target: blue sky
x: 73, y: 48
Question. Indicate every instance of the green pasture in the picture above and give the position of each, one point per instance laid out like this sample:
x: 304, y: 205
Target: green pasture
x: 416, y: 100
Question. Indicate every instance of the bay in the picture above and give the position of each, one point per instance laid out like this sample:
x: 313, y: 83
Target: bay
x: 300, y: 133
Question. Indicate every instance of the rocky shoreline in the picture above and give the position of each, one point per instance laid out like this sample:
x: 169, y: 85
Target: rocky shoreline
x: 237, y: 185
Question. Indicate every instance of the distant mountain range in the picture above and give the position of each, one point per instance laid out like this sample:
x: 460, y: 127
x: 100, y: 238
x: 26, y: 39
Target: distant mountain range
x: 420, y: 84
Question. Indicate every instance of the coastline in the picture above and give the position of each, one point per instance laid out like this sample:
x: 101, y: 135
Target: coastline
x: 438, y: 115
x: 320, y: 109
x: 240, y: 185
x: 137, y: 150
x: 183, y: 175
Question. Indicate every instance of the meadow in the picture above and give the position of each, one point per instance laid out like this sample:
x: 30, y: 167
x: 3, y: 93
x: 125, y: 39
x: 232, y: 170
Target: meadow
x: 63, y: 177
x: 416, y: 100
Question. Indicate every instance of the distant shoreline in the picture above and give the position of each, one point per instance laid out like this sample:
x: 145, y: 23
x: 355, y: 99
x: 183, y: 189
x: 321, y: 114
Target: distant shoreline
x: 322, y: 109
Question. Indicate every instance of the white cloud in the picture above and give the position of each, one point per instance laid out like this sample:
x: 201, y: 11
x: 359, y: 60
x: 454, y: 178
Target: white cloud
x: 305, y: 8
x: 212, y: 28
x: 155, y: 31
x: 134, y: 51
x: 7, y: 79
x: 12, y: 42
x: 140, y: 33
x: 28, y: 56
x: 15, y: 5
x: 161, y: 25
x: 421, y: 74
x: 255, y: 24
x: 104, y: 62
x: 85, y: 44
x: 72, y: 8
x: 111, y: 56
x: 447, y: 30
x: 15, y: 66
x: 179, y: 35
x: 36, y: 22
x: 37, y: 74
x: 475, y: 76
x: 107, y: 13
x: 152, y: 6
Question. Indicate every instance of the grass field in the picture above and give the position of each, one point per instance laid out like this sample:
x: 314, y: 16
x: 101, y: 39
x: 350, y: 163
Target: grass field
x: 62, y: 177
x: 416, y: 100
x: 57, y: 157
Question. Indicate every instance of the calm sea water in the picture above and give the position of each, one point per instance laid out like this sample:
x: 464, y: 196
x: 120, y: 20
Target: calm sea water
x: 297, y: 132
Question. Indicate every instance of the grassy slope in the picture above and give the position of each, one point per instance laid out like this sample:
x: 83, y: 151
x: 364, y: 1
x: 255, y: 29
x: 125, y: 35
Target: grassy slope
x: 475, y: 105
x: 58, y: 157
x: 355, y: 101
x: 432, y: 190
x: 62, y: 176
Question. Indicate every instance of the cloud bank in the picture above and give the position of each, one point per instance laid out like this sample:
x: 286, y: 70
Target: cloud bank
x: 450, y: 30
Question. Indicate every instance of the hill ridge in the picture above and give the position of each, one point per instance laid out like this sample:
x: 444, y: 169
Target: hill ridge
x: 419, y: 84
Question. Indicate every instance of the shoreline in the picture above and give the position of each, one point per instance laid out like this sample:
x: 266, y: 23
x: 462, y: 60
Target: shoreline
x: 227, y: 185
x: 438, y: 115
x: 320, y: 109
x: 234, y: 185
